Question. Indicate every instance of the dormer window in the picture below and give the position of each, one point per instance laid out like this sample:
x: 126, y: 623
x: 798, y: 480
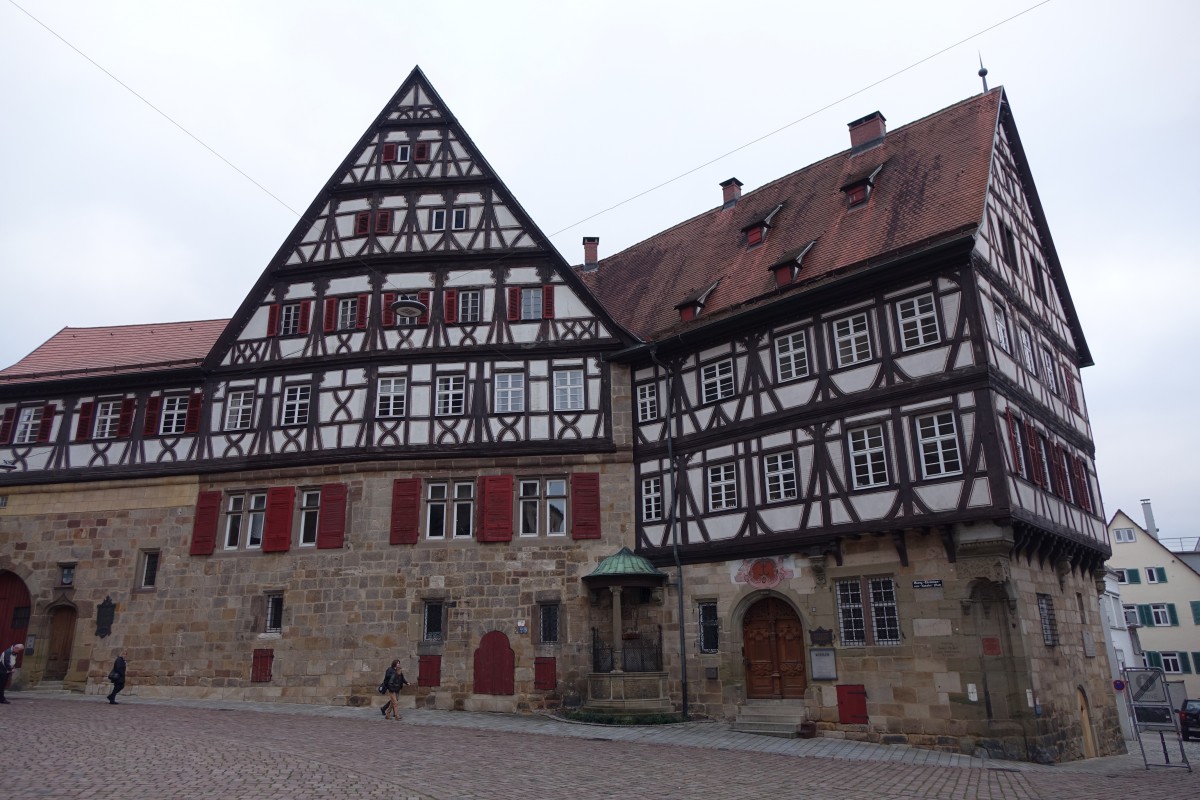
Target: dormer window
x: 859, y: 185
x: 857, y: 195
x: 691, y: 306
x: 787, y: 269
x: 755, y: 235
x: 756, y: 231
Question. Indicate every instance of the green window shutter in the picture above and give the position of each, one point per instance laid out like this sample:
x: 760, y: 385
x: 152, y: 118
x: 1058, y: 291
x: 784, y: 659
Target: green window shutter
x: 1145, y: 617
x: 1183, y: 663
x: 1196, y: 661
x: 1155, y: 659
x: 1171, y: 614
x: 1162, y: 574
x: 1133, y: 576
x: 1196, y: 611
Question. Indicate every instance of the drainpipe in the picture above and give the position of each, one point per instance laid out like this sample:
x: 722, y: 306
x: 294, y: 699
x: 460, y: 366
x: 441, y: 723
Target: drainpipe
x: 671, y: 524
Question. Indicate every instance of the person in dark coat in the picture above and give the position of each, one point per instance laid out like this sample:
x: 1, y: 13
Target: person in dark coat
x: 8, y: 663
x: 393, y: 681
x: 117, y: 676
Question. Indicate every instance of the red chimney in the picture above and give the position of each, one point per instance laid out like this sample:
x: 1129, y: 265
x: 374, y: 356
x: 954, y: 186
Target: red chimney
x: 867, y: 130
x: 731, y: 190
x: 591, y: 246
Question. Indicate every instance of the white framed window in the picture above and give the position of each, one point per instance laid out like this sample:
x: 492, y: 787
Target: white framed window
x: 568, y: 390
x: 245, y: 515
x: 722, y: 487
x: 437, y: 219
x: 1171, y: 661
x: 918, y: 322
x: 1027, y: 356
x: 108, y: 419
x: 1124, y: 535
x: 780, y: 472
x: 868, y: 458
x: 510, y: 393
x: 858, y: 628
x: 1156, y: 575
x: 451, y: 395
x: 347, y: 313
x: 403, y: 153
x: 148, y: 574
x: 710, y: 626
x: 1130, y: 614
x: 295, y: 405
x: 652, y: 499
x: 450, y: 509
x: 852, y: 338
x: 459, y: 219
x: 289, y: 319
x: 531, y: 302
x: 1049, y: 622
x: 937, y: 438
x: 29, y: 422
x: 469, y: 305
x: 310, y: 511
x: 174, y: 414
x: 647, y: 402
x: 239, y: 409
x: 1049, y: 370
x: 791, y: 356
x: 1160, y: 614
x: 716, y: 381
x: 1000, y: 316
x: 391, y: 400
x: 543, y: 506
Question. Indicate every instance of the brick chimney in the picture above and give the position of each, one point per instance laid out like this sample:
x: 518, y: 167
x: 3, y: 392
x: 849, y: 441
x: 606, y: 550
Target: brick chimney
x: 867, y: 130
x: 731, y: 191
x: 591, y: 247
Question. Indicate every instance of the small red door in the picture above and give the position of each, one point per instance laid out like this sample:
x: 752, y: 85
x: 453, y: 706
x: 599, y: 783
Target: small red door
x: 852, y: 704
x: 773, y: 651
x: 495, y: 664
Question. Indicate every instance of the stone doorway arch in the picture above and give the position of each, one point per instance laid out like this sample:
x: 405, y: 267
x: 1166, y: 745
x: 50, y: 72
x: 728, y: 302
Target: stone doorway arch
x: 773, y: 651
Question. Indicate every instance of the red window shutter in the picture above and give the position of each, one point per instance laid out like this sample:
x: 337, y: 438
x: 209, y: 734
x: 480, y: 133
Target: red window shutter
x: 429, y: 670
x: 1060, y: 477
x: 389, y: 153
x: 450, y: 306
x: 153, y: 409
x: 260, y: 666
x: 424, y: 297
x: 1069, y: 384
x: 362, y: 223
x: 204, y: 527
x: 330, y: 320
x: 754, y: 236
x: 273, y: 319
x: 1013, y: 442
x: 191, y: 423
x: 277, y: 533
x: 305, y: 315
x: 1036, y: 473
x: 545, y: 673
x: 496, y: 508
x: 1083, y: 495
x: 388, y: 315
x: 383, y: 221
x: 421, y: 151
x: 364, y: 305
x: 83, y: 426
x: 514, y: 303
x: 125, y: 423
x: 7, y: 425
x: 585, y: 505
x: 331, y: 522
x: 406, y: 511
x: 48, y: 412
x: 548, y: 301
x: 852, y: 705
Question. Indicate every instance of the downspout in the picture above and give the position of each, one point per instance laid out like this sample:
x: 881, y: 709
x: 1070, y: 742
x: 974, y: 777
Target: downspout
x: 671, y: 526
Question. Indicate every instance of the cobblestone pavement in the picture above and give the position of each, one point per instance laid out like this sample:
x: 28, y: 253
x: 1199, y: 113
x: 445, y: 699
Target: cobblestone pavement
x: 62, y: 745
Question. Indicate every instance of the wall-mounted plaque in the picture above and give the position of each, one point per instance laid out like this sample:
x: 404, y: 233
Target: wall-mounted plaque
x: 105, y: 613
x: 821, y: 637
x: 824, y: 663
x: 936, y: 583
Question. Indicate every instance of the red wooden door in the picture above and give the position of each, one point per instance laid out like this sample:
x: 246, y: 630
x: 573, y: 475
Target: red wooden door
x: 773, y: 651
x: 62, y: 639
x: 494, y: 665
x: 852, y: 704
x: 14, y: 609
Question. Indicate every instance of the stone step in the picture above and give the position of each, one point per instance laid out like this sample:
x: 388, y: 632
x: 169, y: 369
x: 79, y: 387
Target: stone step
x: 780, y: 729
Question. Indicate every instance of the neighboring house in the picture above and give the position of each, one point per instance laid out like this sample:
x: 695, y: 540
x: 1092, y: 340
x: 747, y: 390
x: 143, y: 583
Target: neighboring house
x: 1119, y: 640
x: 842, y: 412
x: 1160, y: 594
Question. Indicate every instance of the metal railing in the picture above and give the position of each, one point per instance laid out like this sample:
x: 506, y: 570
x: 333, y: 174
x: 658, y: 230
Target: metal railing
x: 641, y: 654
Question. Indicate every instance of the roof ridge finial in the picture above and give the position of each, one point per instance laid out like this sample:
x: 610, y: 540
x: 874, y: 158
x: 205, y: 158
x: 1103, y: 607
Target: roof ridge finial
x: 983, y: 73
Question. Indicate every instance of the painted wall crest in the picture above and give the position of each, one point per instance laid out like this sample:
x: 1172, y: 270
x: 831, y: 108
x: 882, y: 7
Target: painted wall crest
x: 763, y: 573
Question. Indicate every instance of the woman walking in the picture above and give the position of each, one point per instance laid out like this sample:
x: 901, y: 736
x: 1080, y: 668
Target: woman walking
x: 117, y: 676
x: 393, y: 681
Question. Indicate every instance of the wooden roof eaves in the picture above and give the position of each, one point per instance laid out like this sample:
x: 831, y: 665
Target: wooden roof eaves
x: 1043, y: 228
x: 66, y: 384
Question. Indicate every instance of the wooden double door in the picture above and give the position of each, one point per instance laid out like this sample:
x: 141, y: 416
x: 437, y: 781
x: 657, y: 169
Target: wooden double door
x: 773, y: 651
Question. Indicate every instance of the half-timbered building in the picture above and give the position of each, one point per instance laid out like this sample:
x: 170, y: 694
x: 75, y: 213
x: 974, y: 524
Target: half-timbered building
x: 861, y: 436
x: 838, y: 419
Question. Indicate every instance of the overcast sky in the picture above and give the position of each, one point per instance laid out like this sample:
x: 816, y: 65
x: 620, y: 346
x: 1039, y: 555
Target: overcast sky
x: 112, y: 214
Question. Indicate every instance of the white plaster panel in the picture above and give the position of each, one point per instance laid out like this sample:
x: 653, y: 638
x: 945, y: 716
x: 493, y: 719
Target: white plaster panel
x: 724, y: 527
x: 856, y: 380
x: 719, y: 453
x: 951, y: 305
x: 783, y: 518
x: 418, y: 431
x: 816, y: 516
x: 567, y: 304
x: 356, y: 284
x: 525, y: 333
x: 352, y: 205
x: 703, y: 415
x: 775, y: 440
x: 923, y: 286
x: 794, y: 395
x: 940, y: 496
x: 838, y: 515
x: 419, y: 401
x: 539, y: 427
x: 924, y: 362
x: 873, y: 505
x: 504, y: 217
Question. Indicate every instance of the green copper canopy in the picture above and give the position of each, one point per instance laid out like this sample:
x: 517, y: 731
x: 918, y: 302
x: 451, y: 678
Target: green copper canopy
x: 625, y: 568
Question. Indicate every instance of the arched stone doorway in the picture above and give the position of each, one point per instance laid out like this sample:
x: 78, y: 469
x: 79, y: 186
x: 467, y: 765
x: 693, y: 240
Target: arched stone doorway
x: 773, y: 651
x: 62, y: 639
x: 14, y: 609
x: 1085, y: 720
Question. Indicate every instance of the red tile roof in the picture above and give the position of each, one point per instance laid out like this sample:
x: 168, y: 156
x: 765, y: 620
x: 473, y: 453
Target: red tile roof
x: 932, y: 186
x: 117, y: 350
